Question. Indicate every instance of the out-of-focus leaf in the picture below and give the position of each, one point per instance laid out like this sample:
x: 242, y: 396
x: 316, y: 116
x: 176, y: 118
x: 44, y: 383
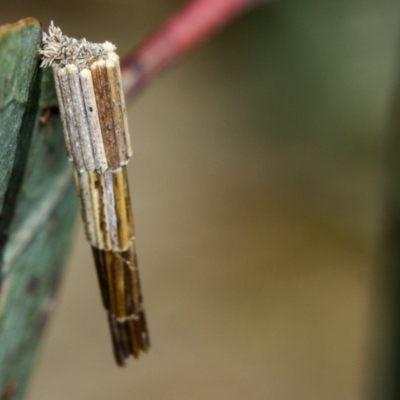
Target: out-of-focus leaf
x: 37, y: 203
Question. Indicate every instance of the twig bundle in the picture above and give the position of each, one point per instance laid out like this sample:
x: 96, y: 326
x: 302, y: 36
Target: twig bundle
x: 92, y: 106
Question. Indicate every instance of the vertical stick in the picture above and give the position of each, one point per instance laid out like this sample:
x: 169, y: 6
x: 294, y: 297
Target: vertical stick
x: 118, y: 113
x: 93, y: 120
x: 80, y: 116
x: 101, y: 88
x: 69, y: 117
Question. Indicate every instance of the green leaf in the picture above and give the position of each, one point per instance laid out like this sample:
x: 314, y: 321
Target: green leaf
x: 37, y: 202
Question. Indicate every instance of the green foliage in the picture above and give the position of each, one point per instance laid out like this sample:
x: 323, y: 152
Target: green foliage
x: 37, y: 203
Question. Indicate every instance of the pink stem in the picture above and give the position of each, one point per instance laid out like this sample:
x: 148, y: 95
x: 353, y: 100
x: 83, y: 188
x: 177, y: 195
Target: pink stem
x: 186, y: 29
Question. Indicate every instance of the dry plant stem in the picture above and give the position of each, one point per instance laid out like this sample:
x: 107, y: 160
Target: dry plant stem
x: 185, y: 30
x: 88, y: 83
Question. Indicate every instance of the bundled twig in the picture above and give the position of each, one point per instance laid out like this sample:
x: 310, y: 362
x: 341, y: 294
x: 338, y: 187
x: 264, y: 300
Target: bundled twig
x: 88, y: 83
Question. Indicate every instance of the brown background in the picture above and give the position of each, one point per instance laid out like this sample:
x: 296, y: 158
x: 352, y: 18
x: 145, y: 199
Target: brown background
x: 256, y: 183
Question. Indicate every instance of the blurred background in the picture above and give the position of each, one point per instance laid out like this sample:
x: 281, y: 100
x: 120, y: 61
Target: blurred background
x: 257, y: 184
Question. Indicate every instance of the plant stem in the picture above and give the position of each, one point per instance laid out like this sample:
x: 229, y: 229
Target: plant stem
x: 184, y: 30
